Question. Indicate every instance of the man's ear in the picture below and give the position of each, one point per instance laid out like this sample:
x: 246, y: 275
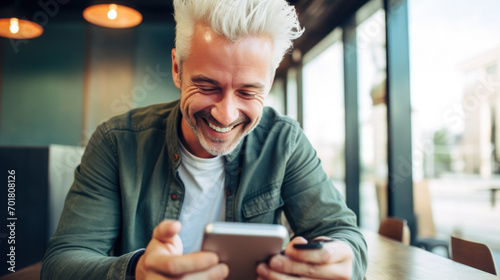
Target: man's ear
x: 176, y: 76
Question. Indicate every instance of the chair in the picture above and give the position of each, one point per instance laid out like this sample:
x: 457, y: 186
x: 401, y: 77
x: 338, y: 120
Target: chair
x: 43, y: 176
x: 473, y: 254
x: 395, y: 228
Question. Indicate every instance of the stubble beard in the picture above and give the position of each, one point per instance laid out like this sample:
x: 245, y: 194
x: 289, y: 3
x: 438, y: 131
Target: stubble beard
x: 216, y: 147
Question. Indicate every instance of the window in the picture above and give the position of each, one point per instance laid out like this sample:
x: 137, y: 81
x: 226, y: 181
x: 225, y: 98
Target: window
x: 455, y: 88
x: 372, y: 118
x: 323, y: 93
x: 276, y: 97
x: 291, y: 94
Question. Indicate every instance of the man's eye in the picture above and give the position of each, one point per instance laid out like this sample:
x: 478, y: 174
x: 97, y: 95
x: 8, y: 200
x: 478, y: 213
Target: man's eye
x: 247, y: 94
x: 208, y: 90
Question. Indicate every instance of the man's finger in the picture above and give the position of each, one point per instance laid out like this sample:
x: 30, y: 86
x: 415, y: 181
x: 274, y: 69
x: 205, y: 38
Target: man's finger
x: 220, y: 271
x: 166, y: 231
x: 332, y: 252
x: 289, y: 266
x: 217, y: 272
x: 267, y: 273
x: 174, y: 266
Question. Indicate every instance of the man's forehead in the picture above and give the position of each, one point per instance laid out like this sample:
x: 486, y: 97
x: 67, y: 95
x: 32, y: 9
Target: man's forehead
x: 243, y: 84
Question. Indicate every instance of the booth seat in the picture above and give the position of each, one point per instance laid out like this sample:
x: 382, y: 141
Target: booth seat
x: 40, y: 179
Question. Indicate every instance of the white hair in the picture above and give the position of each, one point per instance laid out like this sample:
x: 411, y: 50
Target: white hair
x: 237, y: 19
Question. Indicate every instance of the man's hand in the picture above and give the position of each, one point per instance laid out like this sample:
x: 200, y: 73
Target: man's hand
x: 333, y: 261
x: 163, y: 258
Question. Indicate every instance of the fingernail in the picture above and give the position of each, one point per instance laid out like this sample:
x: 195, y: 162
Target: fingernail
x: 261, y: 269
x: 276, y: 263
x: 224, y: 271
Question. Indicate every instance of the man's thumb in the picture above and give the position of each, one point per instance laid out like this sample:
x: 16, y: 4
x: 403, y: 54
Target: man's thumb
x: 166, y: 231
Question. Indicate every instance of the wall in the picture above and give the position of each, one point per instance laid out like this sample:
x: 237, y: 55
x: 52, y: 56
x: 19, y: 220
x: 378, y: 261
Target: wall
x: 42, y: 88
x: 154, y: 65
x: 57, y: 88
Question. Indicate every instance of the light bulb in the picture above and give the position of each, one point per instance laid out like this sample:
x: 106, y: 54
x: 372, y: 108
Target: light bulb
x: 112, y: 14
x: 14, y: 25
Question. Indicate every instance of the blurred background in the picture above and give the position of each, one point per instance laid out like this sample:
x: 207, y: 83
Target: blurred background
x: 400, y: 98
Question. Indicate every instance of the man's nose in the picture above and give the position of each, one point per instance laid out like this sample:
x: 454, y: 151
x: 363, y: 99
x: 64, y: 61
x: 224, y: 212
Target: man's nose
x: 225, y: 110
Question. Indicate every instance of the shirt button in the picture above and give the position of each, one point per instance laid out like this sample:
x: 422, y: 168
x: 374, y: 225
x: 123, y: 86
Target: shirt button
x: 175, y: 157
x: 174, y: 196
x: 229, y: 191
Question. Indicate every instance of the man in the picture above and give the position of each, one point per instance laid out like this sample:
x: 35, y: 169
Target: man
x: 155, y: 176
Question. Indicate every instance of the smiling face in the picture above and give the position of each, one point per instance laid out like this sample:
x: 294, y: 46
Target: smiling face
x: 223, y: 85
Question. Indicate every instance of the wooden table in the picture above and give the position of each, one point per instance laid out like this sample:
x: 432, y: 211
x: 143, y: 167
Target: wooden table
x: 388, y: 260
x: 31, y: 272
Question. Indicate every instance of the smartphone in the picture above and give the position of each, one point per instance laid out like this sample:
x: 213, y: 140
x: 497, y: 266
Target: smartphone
x: 242, y: 246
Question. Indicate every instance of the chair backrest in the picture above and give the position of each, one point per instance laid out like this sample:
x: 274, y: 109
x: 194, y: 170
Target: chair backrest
x: 62, y: 163
x: 395, y: 228
x: 473, y: 254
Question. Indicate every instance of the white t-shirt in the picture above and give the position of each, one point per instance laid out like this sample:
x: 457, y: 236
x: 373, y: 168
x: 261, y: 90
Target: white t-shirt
x: 204, y: 199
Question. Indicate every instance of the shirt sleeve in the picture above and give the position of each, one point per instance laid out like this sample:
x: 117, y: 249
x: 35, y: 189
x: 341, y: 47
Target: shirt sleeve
x: 132, y: 264
x: 90, y: 222
x: 314, y: 207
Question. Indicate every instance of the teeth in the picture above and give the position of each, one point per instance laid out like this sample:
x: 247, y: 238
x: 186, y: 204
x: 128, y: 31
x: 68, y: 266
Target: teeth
x: 220, y: 129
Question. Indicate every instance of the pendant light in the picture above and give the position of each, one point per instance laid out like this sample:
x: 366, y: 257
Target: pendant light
x: 112, y: 15
x: 13, y: 27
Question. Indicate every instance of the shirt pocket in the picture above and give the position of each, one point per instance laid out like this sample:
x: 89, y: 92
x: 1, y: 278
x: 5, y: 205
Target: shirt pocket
x: 263, y: 207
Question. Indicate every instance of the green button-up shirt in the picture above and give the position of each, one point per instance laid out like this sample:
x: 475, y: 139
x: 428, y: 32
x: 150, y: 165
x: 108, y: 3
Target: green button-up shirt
x: 127, y: 183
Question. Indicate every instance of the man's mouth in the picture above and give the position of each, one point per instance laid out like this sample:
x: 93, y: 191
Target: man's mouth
x: 220, y: 129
